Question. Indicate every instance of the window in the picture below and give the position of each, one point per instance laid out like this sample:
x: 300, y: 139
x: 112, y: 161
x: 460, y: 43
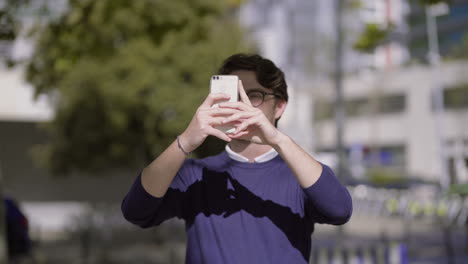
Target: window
x: 391, y: 104
x: 456, y: 97
x: 357, y: 107
x: 386, y: 104
x: 392, y: 156
x: 323, y: 111
x: 362, y: 106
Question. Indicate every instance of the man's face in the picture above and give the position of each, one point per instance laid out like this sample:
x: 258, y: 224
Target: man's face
x: 272, y: 107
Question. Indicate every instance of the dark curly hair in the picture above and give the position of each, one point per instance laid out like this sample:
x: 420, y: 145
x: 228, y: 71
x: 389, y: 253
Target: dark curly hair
x: 268, y: 75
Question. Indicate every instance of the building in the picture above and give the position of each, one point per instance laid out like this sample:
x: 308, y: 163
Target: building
x: 392, y: 122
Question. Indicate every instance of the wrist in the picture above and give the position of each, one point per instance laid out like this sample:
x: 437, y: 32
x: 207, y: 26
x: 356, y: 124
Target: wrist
x: 279, y: 141
x: 185, y: 144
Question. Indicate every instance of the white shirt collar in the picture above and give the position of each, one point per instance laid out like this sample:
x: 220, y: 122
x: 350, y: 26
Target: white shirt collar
x: 269, y: 155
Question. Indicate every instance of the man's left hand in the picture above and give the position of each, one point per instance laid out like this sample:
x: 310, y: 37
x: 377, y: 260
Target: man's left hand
x: 251, y: 123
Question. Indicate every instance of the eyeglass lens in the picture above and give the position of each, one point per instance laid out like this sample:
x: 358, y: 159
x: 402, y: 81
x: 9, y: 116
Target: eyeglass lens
x: 256, y: 98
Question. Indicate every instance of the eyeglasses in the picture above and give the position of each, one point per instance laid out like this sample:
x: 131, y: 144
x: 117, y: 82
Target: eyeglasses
x: 258, y: 97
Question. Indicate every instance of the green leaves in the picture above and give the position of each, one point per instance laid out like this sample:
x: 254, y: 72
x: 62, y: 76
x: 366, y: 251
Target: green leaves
x: 375, y: 35
x: 460, y: 189
x: 128, y: 76
x: 10, y: 22
x: 372, y: 36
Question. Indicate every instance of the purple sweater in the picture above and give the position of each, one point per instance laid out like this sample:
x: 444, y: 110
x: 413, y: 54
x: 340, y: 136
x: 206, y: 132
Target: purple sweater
x: 239, y: 212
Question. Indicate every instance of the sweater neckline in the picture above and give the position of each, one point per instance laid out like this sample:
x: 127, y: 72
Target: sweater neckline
x: 250, y: 165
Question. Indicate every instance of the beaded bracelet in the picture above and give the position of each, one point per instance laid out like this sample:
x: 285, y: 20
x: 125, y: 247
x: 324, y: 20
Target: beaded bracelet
x: 181, y: 148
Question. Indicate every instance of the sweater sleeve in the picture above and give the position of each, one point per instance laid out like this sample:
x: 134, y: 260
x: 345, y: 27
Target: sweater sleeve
x: 138, y: 206
x: 142, y: 209
x: 327, y: 201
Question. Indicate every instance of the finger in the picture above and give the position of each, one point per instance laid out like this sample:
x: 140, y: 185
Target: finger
x: 237, y: 116
x: 220, y: 111
x: 243, y: 94
x: 214, y: 121
x: 246, y: 123
x: 239, y: 135
x: 233, y: 123
x: 217, y: 133
x: 212, y: 98
x: 236, y: 105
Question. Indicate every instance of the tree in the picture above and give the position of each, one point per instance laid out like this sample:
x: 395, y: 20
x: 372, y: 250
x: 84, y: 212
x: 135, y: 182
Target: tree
x: 10, y: 25
x: 126, y: 77
x: 372, y: 36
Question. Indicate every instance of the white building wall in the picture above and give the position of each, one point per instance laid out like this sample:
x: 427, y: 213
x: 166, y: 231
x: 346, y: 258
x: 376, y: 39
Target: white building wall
x: 17, y: 101
x: 415, y: 128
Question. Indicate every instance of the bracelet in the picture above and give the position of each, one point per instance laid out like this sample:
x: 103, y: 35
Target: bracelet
x: 181, y: 148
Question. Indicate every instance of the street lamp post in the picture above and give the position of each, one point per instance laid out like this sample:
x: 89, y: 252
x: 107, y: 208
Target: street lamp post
x: 432, y: 11
x: 339, y: 102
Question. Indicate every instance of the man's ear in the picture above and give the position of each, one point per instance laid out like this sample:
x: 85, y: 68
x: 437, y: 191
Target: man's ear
x: 279, y: 108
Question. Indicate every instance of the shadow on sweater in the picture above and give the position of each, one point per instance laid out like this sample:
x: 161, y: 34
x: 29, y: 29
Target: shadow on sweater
x: 211, y: 195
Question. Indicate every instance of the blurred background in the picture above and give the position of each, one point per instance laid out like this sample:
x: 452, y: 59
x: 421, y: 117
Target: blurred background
x: 91, y: 91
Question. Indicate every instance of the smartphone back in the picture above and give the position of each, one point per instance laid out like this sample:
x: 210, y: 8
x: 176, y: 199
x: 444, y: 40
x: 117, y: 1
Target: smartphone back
x: 225, y: 84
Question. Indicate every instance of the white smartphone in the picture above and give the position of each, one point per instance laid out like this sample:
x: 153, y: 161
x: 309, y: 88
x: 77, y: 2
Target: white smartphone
x: 225, y: 84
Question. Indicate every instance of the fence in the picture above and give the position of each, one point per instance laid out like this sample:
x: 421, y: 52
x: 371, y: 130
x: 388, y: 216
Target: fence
x: 388, y: 253
x: 412, y: 204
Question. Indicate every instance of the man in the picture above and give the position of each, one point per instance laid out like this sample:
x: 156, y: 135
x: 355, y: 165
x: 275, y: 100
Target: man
x: 256, y: 202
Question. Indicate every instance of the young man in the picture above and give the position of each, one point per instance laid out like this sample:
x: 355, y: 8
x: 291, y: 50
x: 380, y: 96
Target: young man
x: 256, y: 202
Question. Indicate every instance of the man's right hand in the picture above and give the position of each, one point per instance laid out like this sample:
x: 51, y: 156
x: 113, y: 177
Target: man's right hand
x: 204, y: 121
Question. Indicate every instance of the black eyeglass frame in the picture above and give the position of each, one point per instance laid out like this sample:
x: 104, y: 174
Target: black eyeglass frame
x: 263, y: 96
